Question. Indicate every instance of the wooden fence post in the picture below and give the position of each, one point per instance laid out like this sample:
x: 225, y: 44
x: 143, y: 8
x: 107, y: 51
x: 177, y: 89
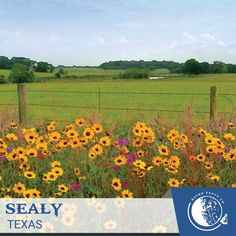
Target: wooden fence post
x: 213, y: 103
x: 22, y: 103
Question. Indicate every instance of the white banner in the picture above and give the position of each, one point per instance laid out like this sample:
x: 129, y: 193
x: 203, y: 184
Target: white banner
x: 88, y: 215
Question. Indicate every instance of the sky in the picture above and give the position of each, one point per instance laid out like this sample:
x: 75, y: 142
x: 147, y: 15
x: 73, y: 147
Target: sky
x: 90, y: 32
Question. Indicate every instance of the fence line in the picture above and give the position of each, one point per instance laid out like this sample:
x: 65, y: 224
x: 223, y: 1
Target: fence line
x: 22, y: 101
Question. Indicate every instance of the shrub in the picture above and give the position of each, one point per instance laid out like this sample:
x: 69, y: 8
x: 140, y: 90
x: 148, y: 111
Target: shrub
x: 2, y: 79
x: 134, y: 74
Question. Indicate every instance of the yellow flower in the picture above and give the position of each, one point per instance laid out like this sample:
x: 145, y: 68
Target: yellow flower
x: 19, y: 188
x: 97, y: 149
x: 29, y: 175
x: 157, y: 161
x: 58, y: 171
x: 105, y: 141
x: 92, y: 155
x: 51, y: 176
x: 140, y: 153
x: 62, y: 188
x: 13, y: 125
x: 229, y: 137
x: 97, y: 128
x: 120, y: 160
x: 116, y: 184
x: 72, y: 133
x: 209, y: 165
x: 200, y: 157
x: 126, y: 194
x: 77, y: 171
x: 88, y: 133
x: 163, y: 150
x: 32, y: 152
x: 55, y: 164
x: 174, y: 183
x: 11, y: 137
x: 215, y: 178
x: 80, y: 122
x: 54, y: 136
x: 139, y: 163
x: 31, y: 137
x: 173, y: 134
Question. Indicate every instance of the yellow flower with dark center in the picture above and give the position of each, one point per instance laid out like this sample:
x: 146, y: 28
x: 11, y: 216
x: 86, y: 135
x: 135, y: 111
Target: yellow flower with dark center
x: 29, y: 175
x: 92, y: 155
x: 157, y: 161
x: 54, y: 136
x: 62, y: 188
x: 231, y: 155
x: 174, y: 183
x: 24, y: 166
x: 31, y: 137
x: 72, y: 133
x: 88, y: 133
x: 97, y: 149
x: 137, y: 131
x: 139, y: 163
x: 41, y: 146
x: 215, y: 178
x: 97, y: 128
x: 20, y: 151
x: 13, y: 125
x: 173, y: 134
x: 210, y: 149
x: 120, y: 160
x: 35, y: 193
x: 174, y: 161
x: 140, y: 153
x: 229, y: 137
x: 51, y: 176
x: 126, y: 194
x: 77, y: 171
x: 63, y: 144
x: 116, y: 184
x: 55, y: 164
x: 105, y: 141
x: 137, y: 142
x: 12, y: 156
x: 58, y: 171
x: 172, y: 169
x: 83, y: 140
x: 209, y: 139
x: 231, y: 125
x: 75, y: 143
x: 209, y: 165
x: 201, y: 131
x: 163, y: 150
x: 32, y: 152
x: 80, y: 122
x: 200, y: 157
x: 11, y: 137
x: 23, y: 158
x: 183, y: 138
x: 19, y: 188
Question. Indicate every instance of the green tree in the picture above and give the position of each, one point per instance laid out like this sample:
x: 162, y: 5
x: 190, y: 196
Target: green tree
x: 44, y: 67
x: 219, y: 67
x: 21, y: 74
x: 5, y: 63
x: 192, y: 67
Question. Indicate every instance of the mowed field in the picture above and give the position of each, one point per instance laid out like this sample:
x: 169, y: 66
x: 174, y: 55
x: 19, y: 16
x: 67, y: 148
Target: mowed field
x: 69, y: 103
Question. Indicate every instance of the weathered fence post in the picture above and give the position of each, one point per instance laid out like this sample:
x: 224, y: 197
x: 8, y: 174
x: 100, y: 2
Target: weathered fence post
x: 22, y: 103
x: 213, y: 103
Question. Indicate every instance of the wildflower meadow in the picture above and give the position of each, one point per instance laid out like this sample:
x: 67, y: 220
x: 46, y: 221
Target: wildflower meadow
x: 136, y: 160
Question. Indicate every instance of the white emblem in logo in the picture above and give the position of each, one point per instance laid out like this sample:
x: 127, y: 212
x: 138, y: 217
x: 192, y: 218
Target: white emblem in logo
x: 205, y: 212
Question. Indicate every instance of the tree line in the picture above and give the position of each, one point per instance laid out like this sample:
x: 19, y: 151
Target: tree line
x: 191, y: 66
x: 41, y: 66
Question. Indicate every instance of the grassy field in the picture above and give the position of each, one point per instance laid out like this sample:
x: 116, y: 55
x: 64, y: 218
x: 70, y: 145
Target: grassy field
x: 199, y: 84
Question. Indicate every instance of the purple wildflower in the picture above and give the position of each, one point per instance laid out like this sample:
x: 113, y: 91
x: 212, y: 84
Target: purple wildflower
x: 117, y: 168
x: 75, y: 186
x: 123, y: 142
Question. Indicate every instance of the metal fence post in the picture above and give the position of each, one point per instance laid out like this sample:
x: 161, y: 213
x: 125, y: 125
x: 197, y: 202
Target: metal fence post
x: 22, y: 103
x: 213, y: 103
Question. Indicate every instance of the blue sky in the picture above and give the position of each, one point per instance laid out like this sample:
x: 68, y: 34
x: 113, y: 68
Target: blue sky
x: 89, y: 32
